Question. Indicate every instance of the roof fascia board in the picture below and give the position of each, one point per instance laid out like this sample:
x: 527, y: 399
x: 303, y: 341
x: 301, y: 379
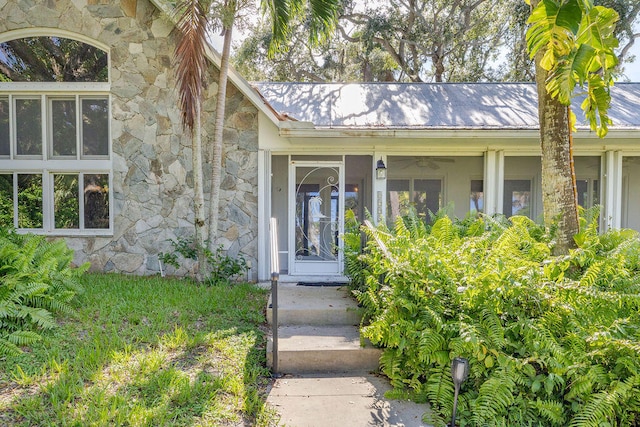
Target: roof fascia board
x: 407, y: 133
x: 627, y: 133
x: 243, y: 86
x: 306, y: 130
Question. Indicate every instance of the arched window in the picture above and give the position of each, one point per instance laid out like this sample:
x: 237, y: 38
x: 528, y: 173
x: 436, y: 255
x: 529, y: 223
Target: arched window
x: 55, y: 148
x: 52, y: 59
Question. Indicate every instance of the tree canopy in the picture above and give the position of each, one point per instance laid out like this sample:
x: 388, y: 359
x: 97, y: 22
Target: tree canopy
x: 414, y: 40
x: 51, y: 59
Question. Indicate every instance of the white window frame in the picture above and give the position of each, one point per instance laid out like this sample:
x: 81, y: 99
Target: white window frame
x: 48, y: 165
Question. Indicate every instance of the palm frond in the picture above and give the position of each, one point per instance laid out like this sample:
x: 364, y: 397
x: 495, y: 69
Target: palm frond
x: 321, y: 15
x: 190, y: 57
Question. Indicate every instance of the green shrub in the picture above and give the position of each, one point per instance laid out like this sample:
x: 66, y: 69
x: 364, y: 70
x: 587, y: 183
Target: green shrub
x: 36, y: 282
x: 355, y: 267
x: 222, y: 267
x: 552, y: 341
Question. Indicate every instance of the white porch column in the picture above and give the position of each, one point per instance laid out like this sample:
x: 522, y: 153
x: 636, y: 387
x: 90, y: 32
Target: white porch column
x: 379, y: 191
x: 612, y: 178
x: 493, y: 181
x: 264, y: 214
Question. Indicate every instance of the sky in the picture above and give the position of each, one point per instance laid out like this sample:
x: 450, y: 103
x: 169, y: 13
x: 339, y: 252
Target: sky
x: 633, y: 70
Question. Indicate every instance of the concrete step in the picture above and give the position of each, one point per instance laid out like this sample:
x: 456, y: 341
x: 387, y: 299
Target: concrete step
x: 322, y: 349
x: 314, y: 305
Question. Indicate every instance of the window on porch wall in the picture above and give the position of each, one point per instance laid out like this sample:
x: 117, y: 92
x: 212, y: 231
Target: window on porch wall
x: 588, y: 192
x: 422, y: 195
x: 630, y: 201
x: 476, y: 197
x: 517, y: 197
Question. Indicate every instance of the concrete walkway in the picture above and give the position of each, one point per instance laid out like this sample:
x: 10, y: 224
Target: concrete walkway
x: 341, y: 400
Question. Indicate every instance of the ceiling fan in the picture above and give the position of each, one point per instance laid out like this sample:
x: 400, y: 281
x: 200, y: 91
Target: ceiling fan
x: 423, y: 161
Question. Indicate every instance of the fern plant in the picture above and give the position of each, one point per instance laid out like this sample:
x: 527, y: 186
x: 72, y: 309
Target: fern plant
x: 353, y: 245
x: 552, y: 341
x: 36, y: 282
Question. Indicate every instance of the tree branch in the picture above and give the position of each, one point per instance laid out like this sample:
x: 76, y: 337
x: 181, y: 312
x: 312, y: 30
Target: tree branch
x: 625, y: 51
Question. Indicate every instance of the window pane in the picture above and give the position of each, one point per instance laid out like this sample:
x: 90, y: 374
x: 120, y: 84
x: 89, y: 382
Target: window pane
x: 6, y: 200
x: 351, y: 201
x: 63, y: 125
x: 582, y: 185
x: 65, y: 201
x: 427, y: 197
x: 4, y: 126
x: 96, y: 201
x: 95, y: 127
x: 476, y: 199
x: 588, y: 191
x: 30, y: 201
x: 517, y: 197
x: 52, y: 59
x: 398, y: 201
x: 29, y: 127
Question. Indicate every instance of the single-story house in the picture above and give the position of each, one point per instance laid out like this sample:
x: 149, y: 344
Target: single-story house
x: 93, y: 150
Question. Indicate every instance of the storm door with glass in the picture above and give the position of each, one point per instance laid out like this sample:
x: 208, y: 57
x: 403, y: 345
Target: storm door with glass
x: 316, y: 203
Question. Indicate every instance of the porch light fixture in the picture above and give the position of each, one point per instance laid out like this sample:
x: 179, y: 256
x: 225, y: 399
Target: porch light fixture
x: 381, y: 170
x: 459, y: 374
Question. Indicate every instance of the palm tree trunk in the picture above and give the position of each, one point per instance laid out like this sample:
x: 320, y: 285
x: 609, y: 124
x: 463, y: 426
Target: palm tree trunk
x: 216, y: 152
x: 559, y: 198
x: 198, y: 197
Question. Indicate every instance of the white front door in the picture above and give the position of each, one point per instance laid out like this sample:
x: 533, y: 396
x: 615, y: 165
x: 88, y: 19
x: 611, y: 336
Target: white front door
x: 316, y: 217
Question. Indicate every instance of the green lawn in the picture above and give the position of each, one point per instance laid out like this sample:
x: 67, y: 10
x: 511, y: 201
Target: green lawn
x: 145, y: 352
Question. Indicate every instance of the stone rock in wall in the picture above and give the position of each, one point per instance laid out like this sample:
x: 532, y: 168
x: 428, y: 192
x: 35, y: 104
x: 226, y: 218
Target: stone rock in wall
x: 105, y: 11
x: 242, y: 120
x: 230, y: 136
x: 151, y: 155
x: 248, y: 140
x: 178, y: 172
x: 153, y: 264
x: 161, y: 28
x: 98, y: 261
x: 127, y: 262
x: 228, y: 183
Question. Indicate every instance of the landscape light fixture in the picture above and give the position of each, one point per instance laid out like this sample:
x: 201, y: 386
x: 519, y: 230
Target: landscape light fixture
x: 459, y: 374
x: 381, y: 170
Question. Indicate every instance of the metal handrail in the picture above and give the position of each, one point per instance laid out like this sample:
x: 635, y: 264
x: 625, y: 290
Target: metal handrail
x: 275, y: 276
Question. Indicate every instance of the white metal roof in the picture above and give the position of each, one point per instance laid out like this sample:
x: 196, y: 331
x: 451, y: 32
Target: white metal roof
x: 429, y: 105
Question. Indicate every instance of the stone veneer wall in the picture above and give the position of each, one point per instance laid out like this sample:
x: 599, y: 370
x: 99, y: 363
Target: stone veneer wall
x: 152, y: 173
